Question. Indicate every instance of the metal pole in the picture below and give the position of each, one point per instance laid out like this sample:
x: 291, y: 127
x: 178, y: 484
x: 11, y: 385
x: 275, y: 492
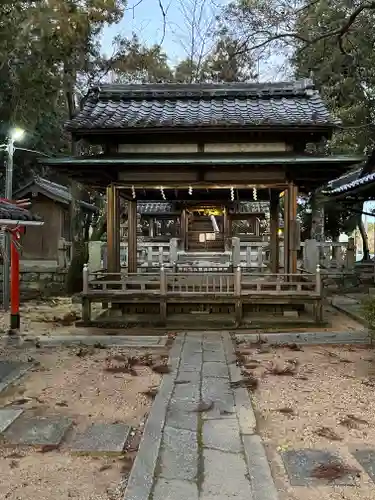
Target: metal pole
x: 7, y: 240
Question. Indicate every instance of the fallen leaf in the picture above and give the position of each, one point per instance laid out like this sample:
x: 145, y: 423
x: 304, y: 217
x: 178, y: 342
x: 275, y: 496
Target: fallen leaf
x: 161, y: 369
x: 333, y: 471
x: 327, y: 433
x: 286, y: 411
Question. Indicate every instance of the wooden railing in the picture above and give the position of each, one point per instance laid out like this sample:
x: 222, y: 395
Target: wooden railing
x: 167, y: 283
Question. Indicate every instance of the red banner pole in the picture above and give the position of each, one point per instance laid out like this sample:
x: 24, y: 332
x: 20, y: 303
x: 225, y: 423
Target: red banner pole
x: 15, y: 285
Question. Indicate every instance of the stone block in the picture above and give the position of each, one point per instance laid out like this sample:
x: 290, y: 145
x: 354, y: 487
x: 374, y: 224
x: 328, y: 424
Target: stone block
x: 222, y: 435
x: 7, y: 417
x: 10, y: 371
x: 212, y: 369
x: 300, y: 465
x: 245, y: 411
x: 225, y: 476
x: 172, y: 489
x: 179, y: 454
x: 38, y: 431
x: 366, y: 458
x: 101, y: 439
x: 262, y: 483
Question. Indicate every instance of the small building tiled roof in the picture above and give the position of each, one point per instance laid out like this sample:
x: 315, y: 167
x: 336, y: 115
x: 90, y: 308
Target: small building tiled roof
x: 52, y: 190
x: 123, y: 107
x: 12, y: 212
x: 155, y: 207
x: 353, y: 179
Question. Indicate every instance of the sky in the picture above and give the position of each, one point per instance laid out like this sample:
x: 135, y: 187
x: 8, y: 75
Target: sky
x: 145, y: 18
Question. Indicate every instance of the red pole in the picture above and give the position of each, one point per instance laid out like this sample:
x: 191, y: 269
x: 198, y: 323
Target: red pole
x: 14, y: 284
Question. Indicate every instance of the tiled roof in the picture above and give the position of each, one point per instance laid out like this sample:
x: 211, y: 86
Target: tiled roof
x: 201, y: 105
x: 57, y: 192
x: 11, y: 212
x: 359, y: 181
x: 153, y: 207
x: 353, y: 179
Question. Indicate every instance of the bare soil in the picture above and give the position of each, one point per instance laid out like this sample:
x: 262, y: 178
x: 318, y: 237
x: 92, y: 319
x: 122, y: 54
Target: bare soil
x: 80, y: 383
x: 318, y: 398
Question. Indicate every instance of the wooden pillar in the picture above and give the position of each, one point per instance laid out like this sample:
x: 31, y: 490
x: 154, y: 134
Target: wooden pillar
x: 151, y: 223
x: 183, y: 228
x: 293, y: 228
x: 113, y: 229
x: 286, y: 230
x: 274, y: 223
x: 132, y: 236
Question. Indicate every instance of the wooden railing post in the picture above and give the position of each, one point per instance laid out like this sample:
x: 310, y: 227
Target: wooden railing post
x: 237, y: 281
x: 237, y: 293
x: 163, y: 295
x: 85, y: 278
x: 318, y: 282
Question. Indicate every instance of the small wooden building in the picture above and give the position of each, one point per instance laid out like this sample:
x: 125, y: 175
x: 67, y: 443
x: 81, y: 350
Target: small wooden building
x: 204, y: 147
x: 50, y: 243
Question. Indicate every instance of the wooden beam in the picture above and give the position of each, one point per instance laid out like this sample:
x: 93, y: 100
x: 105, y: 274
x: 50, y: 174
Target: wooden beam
x: 113, y: 229
x: 132, y: 236
x: 274, y: 223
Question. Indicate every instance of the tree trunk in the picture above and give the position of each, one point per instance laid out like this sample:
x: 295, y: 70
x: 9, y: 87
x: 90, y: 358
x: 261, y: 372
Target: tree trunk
x: 79, y: 254
x: 361, y: 227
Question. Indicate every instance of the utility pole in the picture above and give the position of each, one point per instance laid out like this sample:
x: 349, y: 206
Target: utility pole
x: 7, y: 238
x: 14, y: 135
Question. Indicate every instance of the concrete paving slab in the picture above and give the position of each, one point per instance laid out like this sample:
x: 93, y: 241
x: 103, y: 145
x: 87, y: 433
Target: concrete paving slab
x: 222, y: 435
x: 7, y: 417
x: 366, y: 458
x: 218, y: 391
x: 172, y: 489
x: 182, y: 419
x: 213, y: 369
x: 11, y: 371
x: 300, y: 465
x: 38, y: 431
x: 179, y: 454
x: 214, y: 356
x: 225, y: 476
x: 101, y: 439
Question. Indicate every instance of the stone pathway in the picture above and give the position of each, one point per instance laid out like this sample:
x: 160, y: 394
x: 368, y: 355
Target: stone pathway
x: 200, y: 440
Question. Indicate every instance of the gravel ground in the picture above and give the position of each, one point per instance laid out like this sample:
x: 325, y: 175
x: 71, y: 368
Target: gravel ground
x: 332, y: 388
x: 75, y: 383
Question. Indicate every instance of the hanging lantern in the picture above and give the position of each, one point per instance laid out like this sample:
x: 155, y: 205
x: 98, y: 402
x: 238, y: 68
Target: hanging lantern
x: 133, y: 192
x: 232, y: 193
x: 162, y: 193
x: 255, y: 194
x: 190, y: 190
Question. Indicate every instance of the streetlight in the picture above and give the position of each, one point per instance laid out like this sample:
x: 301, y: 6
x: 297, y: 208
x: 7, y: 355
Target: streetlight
x: 16, y: 134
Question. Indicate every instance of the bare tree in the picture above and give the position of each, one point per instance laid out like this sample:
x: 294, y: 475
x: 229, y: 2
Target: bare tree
x: 195, y: 34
